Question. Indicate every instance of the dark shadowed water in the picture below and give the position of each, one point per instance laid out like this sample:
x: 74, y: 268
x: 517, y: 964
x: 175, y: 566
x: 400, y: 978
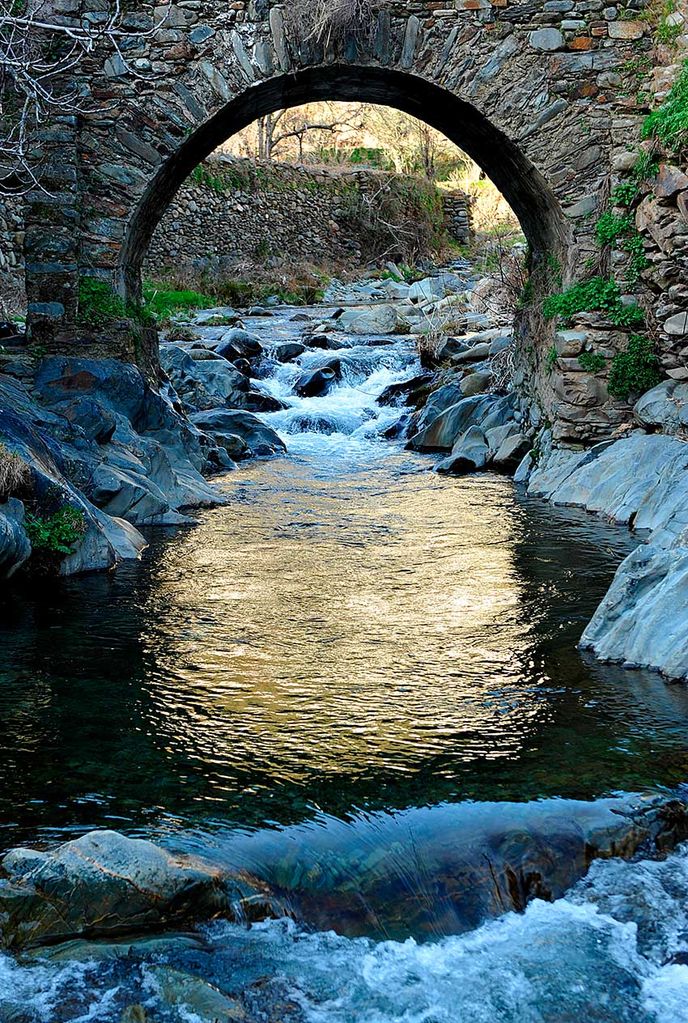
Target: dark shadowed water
x: 351, y: 633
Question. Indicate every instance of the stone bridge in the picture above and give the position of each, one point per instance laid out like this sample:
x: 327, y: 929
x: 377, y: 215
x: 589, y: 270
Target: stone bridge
x: 531, y: 90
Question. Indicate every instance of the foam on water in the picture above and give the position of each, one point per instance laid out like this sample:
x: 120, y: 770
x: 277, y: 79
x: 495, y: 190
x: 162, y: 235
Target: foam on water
x: 600, y: 954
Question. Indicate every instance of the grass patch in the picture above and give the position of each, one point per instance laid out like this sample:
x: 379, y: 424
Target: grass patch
x: 162, y: 301
x: 100, y: 306
x: 14, y: 472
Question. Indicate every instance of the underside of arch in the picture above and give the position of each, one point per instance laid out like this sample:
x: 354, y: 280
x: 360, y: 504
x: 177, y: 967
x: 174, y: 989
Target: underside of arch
x: 523, y: 186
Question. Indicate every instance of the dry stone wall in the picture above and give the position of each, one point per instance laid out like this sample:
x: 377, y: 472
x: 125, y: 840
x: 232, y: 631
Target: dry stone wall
x: 234, y: 211
x: 12, y: 296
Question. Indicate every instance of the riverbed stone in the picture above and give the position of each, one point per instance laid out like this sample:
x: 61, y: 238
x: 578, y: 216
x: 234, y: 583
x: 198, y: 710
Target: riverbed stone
x: 381, y: 319
x: 225, y: 425
x: 443, y: 431
x: 99, y: 885
x: 15, y: 548
x: 665, y: 406
x: 470, y: 452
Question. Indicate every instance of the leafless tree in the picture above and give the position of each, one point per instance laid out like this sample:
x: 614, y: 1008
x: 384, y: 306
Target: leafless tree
x: 41, y: 53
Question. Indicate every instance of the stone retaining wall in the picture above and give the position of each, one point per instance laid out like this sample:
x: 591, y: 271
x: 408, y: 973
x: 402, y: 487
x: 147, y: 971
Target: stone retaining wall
x: 231, y: 210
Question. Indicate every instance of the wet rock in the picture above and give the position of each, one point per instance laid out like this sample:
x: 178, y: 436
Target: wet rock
x: 15, y: 548
x: 319, y: 381
x: 323, y: 341
x: 511, y: 452
x: 402, y: 392
x: 239, y: 344
x: 98, y: 885
x: 203, y: 385
x: 483, y: 860
x: 289, y: 351
x: 469, y: 453
x: 178, y: 989
x: 225, y: 425
x: 640, y: 480
x: 643, y: 619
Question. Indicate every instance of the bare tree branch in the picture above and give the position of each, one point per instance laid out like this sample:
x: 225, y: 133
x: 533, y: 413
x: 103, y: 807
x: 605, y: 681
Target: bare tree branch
x: 40, y: 55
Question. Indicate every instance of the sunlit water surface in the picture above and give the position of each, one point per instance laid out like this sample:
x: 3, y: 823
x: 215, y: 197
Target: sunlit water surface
x: 350, y: 634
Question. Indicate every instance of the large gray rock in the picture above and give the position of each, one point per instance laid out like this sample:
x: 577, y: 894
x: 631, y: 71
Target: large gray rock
x: 665, y: 406
x: 99, y: 885
x: 641, y: 480
x: 511, y: 452
x: 643, y: 619
x: 206, y: 384
x: 470, y: 452
x: 432, y: 289
x: 443, y: 431
x: 227, y: 425
x: 380, y: 319
x: 15, y: 548
x: 476, y: 383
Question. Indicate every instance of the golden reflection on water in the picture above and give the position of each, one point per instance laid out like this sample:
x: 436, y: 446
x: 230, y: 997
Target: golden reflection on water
x: 301, y: 641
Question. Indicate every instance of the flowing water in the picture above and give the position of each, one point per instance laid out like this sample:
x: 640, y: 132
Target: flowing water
x: 325, y: 681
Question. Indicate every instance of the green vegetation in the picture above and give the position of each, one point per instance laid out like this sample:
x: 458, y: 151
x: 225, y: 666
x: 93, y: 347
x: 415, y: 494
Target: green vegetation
x: 669, y: 123
x: 58, y: 533
x: 610, y: 226
x: 597, y: 294
x: 617, y: 230
x: 551, y: 358
x: 645, y: 167
x: 634, y: 371
x: 592, y: 362
x: 162, y: 301
x: 100, y: 306
x: 625, y: 193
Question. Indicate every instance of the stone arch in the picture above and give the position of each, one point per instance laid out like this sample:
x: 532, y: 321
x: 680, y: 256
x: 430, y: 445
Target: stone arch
x: 524, y: 186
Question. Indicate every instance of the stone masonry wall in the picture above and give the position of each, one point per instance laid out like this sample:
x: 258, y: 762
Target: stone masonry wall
x: 233, y: 211
x: 11, y: 256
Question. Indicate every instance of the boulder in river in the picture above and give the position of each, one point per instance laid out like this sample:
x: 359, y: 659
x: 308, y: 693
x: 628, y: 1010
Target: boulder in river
x: 470, y: 452
x: 225, y: 425
x: 101, y: 884
x: 289, y: 351
x: 443, y: 430
x: 319, y: 381
x: 378, y: 319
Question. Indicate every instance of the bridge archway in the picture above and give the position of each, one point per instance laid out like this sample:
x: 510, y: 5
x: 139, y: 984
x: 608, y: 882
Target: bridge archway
x: 523, y: 185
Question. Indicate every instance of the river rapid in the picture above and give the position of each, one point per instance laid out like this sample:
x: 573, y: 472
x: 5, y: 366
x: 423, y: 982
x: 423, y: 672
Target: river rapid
x: 352, y: 667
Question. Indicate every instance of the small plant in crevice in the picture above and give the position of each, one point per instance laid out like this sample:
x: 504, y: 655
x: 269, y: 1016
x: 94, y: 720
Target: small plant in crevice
x: 635, y: 370
x: 592, y: 362
x: 612, y: 229
x: 598, y: 294
x: 669, y: 122
x: 551, y: 359
x: 57, y: 533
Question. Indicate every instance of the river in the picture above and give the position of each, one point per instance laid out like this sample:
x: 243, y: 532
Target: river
x: 349, y: 663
